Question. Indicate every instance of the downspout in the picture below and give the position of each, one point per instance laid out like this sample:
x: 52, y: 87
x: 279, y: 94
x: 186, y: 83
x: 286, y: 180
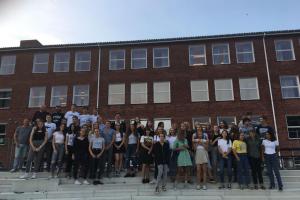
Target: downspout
x: 98, y: 77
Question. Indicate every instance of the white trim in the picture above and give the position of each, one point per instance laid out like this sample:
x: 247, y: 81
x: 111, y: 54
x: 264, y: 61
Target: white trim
x: 133, y: 93
x: 207, y: 90
x: 121, y: 93
x: 228, y: 53
x: 55, y: 61
x: 5, y: 98
x: 232, y: 93
x: 292, y: 49
x: 146, y: 58
x: 36, y: 97
x: 80, y: 95
x: 86, y: 61
x: 13, y: 65
x: 286, y: 87
x: 218, y: 121
x: 198, y: 56
x: 257, y: 88
x: 41, y: 63
x: 153, y: 59
x: 169, y: 91
x: 124, y: 59
x: 62, y: 96
x: 252, y: 52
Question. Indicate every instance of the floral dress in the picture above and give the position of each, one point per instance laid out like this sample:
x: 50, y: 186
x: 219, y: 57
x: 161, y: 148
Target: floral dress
x: 184, y: 158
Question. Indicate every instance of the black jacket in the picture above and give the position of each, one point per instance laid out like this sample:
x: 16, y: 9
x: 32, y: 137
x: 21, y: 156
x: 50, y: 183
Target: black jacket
x: 161, y: 153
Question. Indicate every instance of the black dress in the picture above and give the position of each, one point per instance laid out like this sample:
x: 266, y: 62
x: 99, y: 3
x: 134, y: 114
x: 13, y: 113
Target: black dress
x: 145, y: 157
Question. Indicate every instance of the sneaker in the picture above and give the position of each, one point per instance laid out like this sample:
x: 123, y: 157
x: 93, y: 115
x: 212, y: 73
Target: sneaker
x: 143, y: 180
x: 271, y: 187
x: 157, y: 190
x: 280, y: 189
x: 185, y: 184
x: 164, y: 188
x: 204, y: 187
x: 229, y: 186
x: 13, y: 170
x: 153, y: 181
x: 147, y: 180
x: 77, y: 182
x: 241, y: 187
x: 26, y: 175
x: 85, y: 182
x: 198, y: 187
x: 33, y: 176
x: 262, y: 187
x: 255, y: 187
x: 175, y: 185
x: 222, y: 186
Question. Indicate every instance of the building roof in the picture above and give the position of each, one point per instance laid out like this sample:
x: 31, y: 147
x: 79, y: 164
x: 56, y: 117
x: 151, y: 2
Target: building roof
x: 148, y: 41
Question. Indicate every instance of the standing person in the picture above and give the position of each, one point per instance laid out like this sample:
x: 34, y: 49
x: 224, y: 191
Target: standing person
x: 161, y: 152
x: 264, y: 128
x: 183, y: 159
x: 200, y: 142
x: 58, y: 144
x: 69, y: 149
x: 37, y: 140
x: 101, y: 123
x: 118, y: 120
x: 119, y: 149
x: 40, y: 114
x: 57, y: 116
x: 246, y: 127
x: 254, y: 156
x: 94, y: 116
x: 270, y: 148
x: 132, y: 148
x: 96, y: 149
x: 215, y: 136
x: 149, y: 125
x: 109, y: 137
x: 189, y: 136
x: 84, y: 117
x: 224, y: 147
x: 81, y: 157
x: 21, y: 139
x: 146, y: 155
x: 239, y: 148
x: 51, y: 127
x: 173, y: 154
x: 70, y: 114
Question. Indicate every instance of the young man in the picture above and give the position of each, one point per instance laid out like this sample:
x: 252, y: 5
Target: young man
x: 70, y: 114
x: 50, y: 127
x: 94, y: 116
x: 21, y: 139
x: 57, y: 116
x: 264, y: 128
x: 246, y: 127
x: 41, y: 114
x: 118, y: 121
x: 85, y: 117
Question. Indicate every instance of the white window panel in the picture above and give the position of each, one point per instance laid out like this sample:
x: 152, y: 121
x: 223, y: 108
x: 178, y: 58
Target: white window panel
x: 7, y: 66
x: 224, y: 90
x: 244, y: 52
x: 116, y: 94
x: 81, y: 95
x: 249, y: 88
x: 82, y: 61
x: 201, y: 120
x: 161, y: 92
x: 37, y: 97
x: 116, y: 59
x: 221, y: 54
x: 138, y: 58
x: 59, y: 96
x: 139, y: 93
x: 5, y: 97
x: 284, y: 50
x: 197, y: 55
x: 199, y: 90
x: 40, y: 63
x: 161, y: 57
x: 290, y: 87
x: 61, y: 62
x: 167, y: 123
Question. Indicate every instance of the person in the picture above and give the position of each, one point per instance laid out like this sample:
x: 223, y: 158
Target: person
x: 264, y: 128
x: 81, y: 157
x: 161, y: 152
x: 109, y: 137
x: 186, y: 126
x: 51, y: 127
x: 37, y: 140
x: 246, y: 127
x: 149, y: 125
x: 183, y: 159
x: 270, y: 147
x: 40, y: 114
x: 215, y: 136
x: 57, y: 116
x: 96, y: 149
x: 146, y: 155
x: 84, y: 117
x: 58, y: 145
x: 94, y: 116
x: 239, y: 148
x: 200, y: 142
x: 70, y: 114
x: 132, y: 148
x: 173, y: 154
x: 224, y: 147
x: 69, y: 149
x: 101, y: 124
x: 255, y: 161
x: 119, y: 149
x: 118, y: 120
x: 21, y: 139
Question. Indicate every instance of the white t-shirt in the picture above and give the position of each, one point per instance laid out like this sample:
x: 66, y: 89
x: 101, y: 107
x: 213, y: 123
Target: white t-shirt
x: 69, y: 116
x: 70, y: 138
x: 223, y: 145
x: 118, y: 137
x: 97, y: 142
x: 145, y: 136
x: 132, y: 139
x: 171, y: 140
x: 59, y: 137
x: 270, y: 147
x: 94, y: 118
x: 50, y: 127
x: 84, y: 119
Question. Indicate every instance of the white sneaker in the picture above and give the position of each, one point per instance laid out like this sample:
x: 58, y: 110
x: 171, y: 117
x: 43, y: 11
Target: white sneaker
x: 85, y: 182
x: 77, y: 182
x: 153, y: 181
x: 26, y: 175
x: 198, y: 187
x: 204, y: 187
x: 33, y: 176
x: 12, y: 170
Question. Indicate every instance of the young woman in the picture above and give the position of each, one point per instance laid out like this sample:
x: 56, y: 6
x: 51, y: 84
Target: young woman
x: 132, y: 148
x: 81, y: 156
x: 270, y: 147
x: 96, y: 149
x: 215, y: 136
x: 58, y: 145
x: 200, y: 142
x: 239, y: 148
x: 69, y: 150
x: 146, y: 155
x: 224, y: 147
x: 183, y: 159
x: 119, y: 149
x: 37, y: 140
x: 161, y: 152
x: 173, y: 154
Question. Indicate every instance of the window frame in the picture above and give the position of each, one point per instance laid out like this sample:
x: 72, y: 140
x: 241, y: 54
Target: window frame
x: 207, y: 90
x: 232, y: 92
x: 110, y: 59
x: 65, y: 96
x: 153, y: 59
x: 212, y: 53
x: 287, y: 127
x: 257, y: 89
x: 292, y: 49
x: 145, y: 93
x: 55, y: 62
x: 146, y: 58
x: 89, y: 61
x: 201, y: 56
x: 12, y: 65
x: 199, y: 117
x: 34, y: 63
x: 218, y: 119
x: 155, y: 82
x: 88, y: 94
x: 281, y: 88
x: 159, y: 119
x: 6, y: 98
x: 238, y: 53
x: 4, y: 134
x: 110, y: 94
x: 31, y: 97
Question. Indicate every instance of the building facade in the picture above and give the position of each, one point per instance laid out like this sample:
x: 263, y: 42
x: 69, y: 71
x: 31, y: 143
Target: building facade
x: 206, y: 79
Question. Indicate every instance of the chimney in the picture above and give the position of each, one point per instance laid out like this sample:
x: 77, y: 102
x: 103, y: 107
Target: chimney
x: 30, y: 43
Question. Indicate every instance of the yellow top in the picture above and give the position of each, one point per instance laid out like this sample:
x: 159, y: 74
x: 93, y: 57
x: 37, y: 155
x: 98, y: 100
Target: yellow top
x: 239, y: 146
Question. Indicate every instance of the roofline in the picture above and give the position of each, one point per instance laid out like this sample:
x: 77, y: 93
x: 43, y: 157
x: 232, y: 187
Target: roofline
x: 156, y: 41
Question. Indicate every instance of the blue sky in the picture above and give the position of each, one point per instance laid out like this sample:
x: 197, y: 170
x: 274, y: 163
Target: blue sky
x: 76, y: 21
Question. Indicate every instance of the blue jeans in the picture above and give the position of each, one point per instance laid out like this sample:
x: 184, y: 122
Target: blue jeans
x: 228, y: 162
x: 131, y: 155
x: 20, y: 153
x: 273, y: 168
x: 243, y: 170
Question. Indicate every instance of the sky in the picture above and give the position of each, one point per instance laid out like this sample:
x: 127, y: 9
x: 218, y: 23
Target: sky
x: 80, y: 21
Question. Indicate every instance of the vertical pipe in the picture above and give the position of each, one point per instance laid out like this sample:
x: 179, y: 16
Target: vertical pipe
x: 98, y: 77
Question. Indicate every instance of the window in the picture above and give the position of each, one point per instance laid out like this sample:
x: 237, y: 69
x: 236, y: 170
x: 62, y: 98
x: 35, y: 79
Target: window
x: 161, y: 92
x: 290, y: 87
x: 37, y: 96
x: 116, y: 94
x: 59, y: 96
x: 166, y: 121
x: 223, y: 90
x: 197, y: 55
x: 220, y: 54
x: 227, y: 119
x: 244, y: 52
x: 139, y: 93
x: 160, y: 57
x: 116, y: 59
x: 82, y: 61
x: 142, y: 120
x: 249, y: 88
x: 199, y: 90
x: 40, y: 63
x: 81, y: 95
x: 284, y: 50
x: 201, y: 120
x: 293, y: 126
x: 61, y: 62
x: 138, y: 58
x: 7, y: 66
x: 5, y: 98
x: 2, y: 133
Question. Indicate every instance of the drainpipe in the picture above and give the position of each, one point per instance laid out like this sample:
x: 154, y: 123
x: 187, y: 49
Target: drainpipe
x: 98, y: 77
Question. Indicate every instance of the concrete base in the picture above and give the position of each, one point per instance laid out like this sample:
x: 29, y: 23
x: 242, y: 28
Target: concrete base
x: 35, y: 185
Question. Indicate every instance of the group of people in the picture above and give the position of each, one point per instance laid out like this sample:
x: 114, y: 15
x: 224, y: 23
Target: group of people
x: 83, y: 142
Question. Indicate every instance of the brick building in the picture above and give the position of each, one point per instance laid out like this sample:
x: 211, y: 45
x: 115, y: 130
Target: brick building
x: 209, y: 79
